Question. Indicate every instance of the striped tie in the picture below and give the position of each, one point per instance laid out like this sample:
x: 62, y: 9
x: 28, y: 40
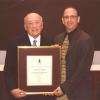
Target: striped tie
x: 34, y: 43
x: 64, y: 49
x: 63, y: 62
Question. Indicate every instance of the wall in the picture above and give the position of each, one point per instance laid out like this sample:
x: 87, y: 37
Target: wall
x: 12, y: 12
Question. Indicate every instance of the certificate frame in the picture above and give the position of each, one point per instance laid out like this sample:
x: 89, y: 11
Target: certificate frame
x: 52, y: 51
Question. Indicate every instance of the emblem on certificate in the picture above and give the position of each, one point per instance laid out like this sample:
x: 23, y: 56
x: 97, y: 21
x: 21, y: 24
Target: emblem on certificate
x: 38, y: 68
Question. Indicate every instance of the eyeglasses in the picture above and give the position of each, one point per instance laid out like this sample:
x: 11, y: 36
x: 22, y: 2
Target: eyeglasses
x: 71, y: 17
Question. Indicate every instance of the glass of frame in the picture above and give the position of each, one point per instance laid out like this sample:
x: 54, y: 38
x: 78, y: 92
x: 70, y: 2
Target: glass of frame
x: 38, y: 68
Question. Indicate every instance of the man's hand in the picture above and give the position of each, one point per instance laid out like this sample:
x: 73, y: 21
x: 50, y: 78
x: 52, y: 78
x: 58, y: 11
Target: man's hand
x: 58, y: 92
x: 18, y: 93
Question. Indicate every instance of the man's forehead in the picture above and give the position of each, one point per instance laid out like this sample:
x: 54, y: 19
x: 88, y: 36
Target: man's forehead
x: 33, y: 16
x: 70, y: 11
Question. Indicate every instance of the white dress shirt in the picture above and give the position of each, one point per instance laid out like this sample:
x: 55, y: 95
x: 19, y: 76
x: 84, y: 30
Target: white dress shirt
x: 37, y: 39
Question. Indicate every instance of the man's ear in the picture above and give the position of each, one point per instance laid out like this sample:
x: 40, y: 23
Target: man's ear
x: 25, y: 27
x: 78, y: 19
x: 62, y: 20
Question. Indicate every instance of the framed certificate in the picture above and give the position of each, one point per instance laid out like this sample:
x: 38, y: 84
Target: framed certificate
x: 38, y: 68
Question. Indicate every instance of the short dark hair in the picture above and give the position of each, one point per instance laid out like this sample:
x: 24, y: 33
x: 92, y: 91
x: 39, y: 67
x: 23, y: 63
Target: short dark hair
x: 74, y: 7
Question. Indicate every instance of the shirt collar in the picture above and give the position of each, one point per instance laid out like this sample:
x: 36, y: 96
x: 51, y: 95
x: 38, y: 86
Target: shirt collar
x: 32, y: 39
x: 70, y: 34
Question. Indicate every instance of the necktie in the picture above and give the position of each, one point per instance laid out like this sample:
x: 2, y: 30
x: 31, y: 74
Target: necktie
x: 63, y: 61
x: 34, y: 43
x: 64, y: 49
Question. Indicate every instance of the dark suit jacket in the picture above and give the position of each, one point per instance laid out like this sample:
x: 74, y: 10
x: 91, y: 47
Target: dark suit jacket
x: 79, y: 58
x: 11, y: 70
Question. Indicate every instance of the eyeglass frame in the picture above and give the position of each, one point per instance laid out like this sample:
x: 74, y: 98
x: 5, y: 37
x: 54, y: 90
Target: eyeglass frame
x: 71, y: 17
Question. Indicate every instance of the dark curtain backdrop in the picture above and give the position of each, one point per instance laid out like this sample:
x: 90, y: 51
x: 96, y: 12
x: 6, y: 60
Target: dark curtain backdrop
x: 13, y: 11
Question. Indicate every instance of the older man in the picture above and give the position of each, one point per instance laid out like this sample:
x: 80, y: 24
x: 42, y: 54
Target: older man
x: 33, y: 24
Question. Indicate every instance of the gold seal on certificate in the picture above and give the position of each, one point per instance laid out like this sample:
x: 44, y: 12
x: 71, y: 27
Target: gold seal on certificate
x: 38, y: 68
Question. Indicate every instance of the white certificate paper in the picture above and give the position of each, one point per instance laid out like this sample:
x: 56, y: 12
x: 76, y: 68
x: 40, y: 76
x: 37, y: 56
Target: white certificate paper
x: 39, y: 70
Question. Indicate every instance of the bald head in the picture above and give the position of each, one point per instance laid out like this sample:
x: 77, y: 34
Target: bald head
x: 32, y: 15
x: 33, y: 24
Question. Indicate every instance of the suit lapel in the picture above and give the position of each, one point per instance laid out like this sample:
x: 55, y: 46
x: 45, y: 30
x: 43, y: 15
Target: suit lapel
x: 26, y: 40
x: 44, y: 41
x: 61, y: 38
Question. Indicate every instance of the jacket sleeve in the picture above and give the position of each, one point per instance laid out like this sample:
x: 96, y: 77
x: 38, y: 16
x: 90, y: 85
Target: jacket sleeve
x: 11, y: 67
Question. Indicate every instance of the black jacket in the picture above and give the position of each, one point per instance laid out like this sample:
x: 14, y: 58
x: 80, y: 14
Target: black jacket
x: 79, y: 58
x: 11, y: 66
